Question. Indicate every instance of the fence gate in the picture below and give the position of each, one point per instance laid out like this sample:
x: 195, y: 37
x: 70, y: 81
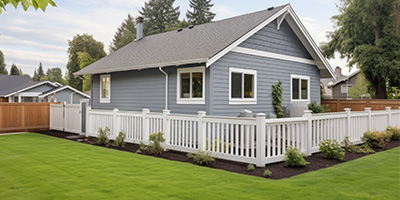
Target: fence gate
x: 65, y: 117
x: 84, y: 104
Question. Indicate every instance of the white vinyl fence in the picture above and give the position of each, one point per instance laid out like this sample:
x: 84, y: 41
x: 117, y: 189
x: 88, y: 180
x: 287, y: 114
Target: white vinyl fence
x: 251, y: 140
x: 65, y: 117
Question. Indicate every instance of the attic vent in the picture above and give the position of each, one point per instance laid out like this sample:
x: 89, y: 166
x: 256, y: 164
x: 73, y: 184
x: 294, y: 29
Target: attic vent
x: 191, y: 26
x: 270, y: 8
x: 179, y: 30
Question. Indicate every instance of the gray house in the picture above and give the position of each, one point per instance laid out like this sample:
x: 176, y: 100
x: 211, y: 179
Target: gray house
x: 222, y: 67
x: 339, y: 88
x: 23, y: 89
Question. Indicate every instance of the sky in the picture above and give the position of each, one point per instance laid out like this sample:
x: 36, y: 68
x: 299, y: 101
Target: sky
x: 27, y: 38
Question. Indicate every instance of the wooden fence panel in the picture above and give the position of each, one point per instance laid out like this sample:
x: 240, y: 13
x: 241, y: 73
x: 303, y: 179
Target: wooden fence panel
x: 24, y: 116
x: 338, y: 105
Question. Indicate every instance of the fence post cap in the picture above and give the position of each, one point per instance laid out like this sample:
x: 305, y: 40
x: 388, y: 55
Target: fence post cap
x: 388, y: 108
x: 166, y: 111
x: 307, y: 113
x: 261, y: 115
x: 145, y: 110
x: 203, y: 113
x: 115, y: 110
x: 347, y: 109
x: 368, y: 109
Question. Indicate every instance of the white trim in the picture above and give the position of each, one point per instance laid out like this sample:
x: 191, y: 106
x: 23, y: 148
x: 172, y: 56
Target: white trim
x: 242, y: 100
x: 30, y: 87
x: 272, y: 55
x: 63, y: 88
x: 29, y: 94
x: 300, y: 77
x: 105, y: 100
x: 190, y: 100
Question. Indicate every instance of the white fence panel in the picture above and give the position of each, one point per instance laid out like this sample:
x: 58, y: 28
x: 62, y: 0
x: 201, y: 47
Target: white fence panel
x: 57, y: 117
x: 72, y: 118
x: 99, y: 119
x: 379, y: 121
x: 183, y: 132
x: 132, y: 125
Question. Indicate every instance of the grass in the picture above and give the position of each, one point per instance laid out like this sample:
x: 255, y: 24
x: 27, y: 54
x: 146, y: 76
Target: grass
x: 34, y: 166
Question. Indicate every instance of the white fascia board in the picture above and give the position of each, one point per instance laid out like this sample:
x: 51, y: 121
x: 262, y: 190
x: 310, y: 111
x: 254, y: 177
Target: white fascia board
x: 30, y: 87
x: 63, y: 88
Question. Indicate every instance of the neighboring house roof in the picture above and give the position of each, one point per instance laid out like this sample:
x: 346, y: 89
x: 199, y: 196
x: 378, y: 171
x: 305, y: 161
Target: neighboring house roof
x: 204, y: 43
x: 11, y: 83
x: 344, y: 78
x: 28, y: 86
x: 55, y: 90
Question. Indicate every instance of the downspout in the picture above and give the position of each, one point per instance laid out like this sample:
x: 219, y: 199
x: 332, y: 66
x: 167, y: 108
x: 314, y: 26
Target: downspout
x: 71, y: 97
x: 166, y: 87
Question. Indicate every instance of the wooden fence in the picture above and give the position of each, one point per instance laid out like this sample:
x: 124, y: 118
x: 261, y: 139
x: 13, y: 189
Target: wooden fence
x: 24, y: 117
x: 338, y: 105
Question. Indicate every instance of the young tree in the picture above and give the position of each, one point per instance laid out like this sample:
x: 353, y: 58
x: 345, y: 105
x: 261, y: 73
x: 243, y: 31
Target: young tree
x: 39, y: 75
x: 159, y: 14
x: 361, y: 88
x: 125, y: 34
x: 84, y: 60
x: 54, y: 75
x: 42, y: 4
x: 3, y: 69
x: 14, y: 70
x: 368, y: 36
x: 201, y: 12
x: 82, y: 43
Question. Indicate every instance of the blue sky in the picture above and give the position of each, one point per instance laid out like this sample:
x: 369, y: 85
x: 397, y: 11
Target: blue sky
x: 27, y: 38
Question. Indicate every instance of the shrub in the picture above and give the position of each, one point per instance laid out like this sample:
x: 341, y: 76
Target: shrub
x: 102, y: 137
x: 250, y: 167
x: 350, y: 147
x: 201, y: 157
x: 267, y: 173
x: 316, y: 108
x: 376, y: 138
x: 154, y: 146
x: 365, y: 149
x: 120, y: 140
x: 294, y: 158
x: 332, y: 149
x: 395, y: 131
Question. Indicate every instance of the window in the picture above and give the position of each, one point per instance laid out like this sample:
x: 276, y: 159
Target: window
x: 191, y: 85
x: 105, y: 88
x: 300, y: 87
x: 242, y: 86
x: 345, y: 88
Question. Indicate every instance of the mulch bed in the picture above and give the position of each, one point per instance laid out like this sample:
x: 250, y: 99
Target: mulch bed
x: 279, y: 170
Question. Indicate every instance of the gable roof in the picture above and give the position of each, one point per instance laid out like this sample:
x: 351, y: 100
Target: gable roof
x: 204, y: 43
x: 28, y: 86
x: 55, y: 90
x: 11, y: 83
x: 344, y: 78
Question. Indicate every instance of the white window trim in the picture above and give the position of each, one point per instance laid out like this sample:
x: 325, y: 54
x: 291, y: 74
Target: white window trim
x: 345, y: 86
x: 242, y: 100
x: 105, y: 100
x: 190, y: 100
x: 292, y: 76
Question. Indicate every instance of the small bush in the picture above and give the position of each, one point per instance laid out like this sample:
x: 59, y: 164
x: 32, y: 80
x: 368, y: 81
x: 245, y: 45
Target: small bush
x: 365, y: 149
x: 102, y: 137
x: 250, y: 167
x: 332, y: 149
x: 376, y: 138
x: 395, y: 131
x: 294, y: 158
x: 201, y: 157
x: 154, y: 146
x: 142, y: 147
x: 267, y: 173
x: 120, y: 140
x: 316, y: 108
x: 350, y: 147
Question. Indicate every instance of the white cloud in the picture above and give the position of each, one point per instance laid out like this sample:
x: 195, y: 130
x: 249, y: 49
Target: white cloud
x: 223, y: 12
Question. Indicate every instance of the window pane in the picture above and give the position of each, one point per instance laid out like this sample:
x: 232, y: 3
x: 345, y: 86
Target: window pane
x: 197, y: 85
x: 105, y: 82
x: 236, y: 85
x: 295, y: 88
x: 185, y: 85
x: 304, y: 90
x: 248, y: 86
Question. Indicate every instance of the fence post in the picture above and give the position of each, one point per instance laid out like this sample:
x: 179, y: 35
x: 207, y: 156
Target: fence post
x: 166, y: 126
x: 88, y: 121
x: 202, y: 131
x: 368, y: 110
x: 64, y: 115
x: 260, y: 125
x: 115, y: 123
x: 389, y: 120
x: 308, y: 115
x: 348, y: 111
x: 146, y: 133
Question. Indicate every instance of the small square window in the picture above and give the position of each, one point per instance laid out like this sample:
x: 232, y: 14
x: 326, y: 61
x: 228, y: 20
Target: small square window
x: 191, y: 85
x: 243, y: 84
x: 300, y: 88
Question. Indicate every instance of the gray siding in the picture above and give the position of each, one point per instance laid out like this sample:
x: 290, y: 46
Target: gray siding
x: 64, y: 96
x: 269, y: 72
x: 282, y: 41
x: 41, y: 88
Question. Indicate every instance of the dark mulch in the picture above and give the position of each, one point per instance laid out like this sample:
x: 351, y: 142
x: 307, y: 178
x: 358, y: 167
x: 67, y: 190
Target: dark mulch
x: 279, y: 170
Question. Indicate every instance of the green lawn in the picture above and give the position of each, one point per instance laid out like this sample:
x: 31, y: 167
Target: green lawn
x: 34, y: 166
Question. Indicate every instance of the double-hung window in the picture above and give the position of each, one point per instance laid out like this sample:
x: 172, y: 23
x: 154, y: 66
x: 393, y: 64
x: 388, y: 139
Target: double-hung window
x: 300, y: 88
x: 105, y: 88
x: 242, y: 86
x: 191, y: 85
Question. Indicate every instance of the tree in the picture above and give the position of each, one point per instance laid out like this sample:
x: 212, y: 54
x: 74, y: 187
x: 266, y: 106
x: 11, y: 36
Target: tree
x: 159, y: 14
x: 125, y: 34
x: 84, y: 60
x: 368, y: 36
x: 3, y: 69
x: 361, y: 88
x: 54, y: 75
x: 201, y: 12
x: 39, y: 75
x: 14, y: 70
x: 42, y: 4
x: 81, y: 43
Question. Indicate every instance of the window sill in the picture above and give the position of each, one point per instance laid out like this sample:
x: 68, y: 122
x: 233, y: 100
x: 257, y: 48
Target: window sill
x: 190, y: 101
x: 303, y: 100
x: 105, y: 101
x: 242, y: 101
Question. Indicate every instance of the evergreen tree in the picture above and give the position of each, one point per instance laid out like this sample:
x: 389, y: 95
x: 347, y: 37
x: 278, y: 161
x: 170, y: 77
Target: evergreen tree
x: 125, y: 34
x: 159, y: 14
x: 39, y: 75
x: 201, y: 12
x: 14, y: 70
x: 3, y: 69
x: 54, y: 75
x: 82, y: 43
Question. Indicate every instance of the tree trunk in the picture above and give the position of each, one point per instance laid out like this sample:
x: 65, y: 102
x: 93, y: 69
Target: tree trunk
x: 380, y: 88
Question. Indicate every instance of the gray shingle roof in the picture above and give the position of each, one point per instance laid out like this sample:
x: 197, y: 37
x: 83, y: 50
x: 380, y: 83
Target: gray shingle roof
x: 12, y: 83
x: 188, y: 46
